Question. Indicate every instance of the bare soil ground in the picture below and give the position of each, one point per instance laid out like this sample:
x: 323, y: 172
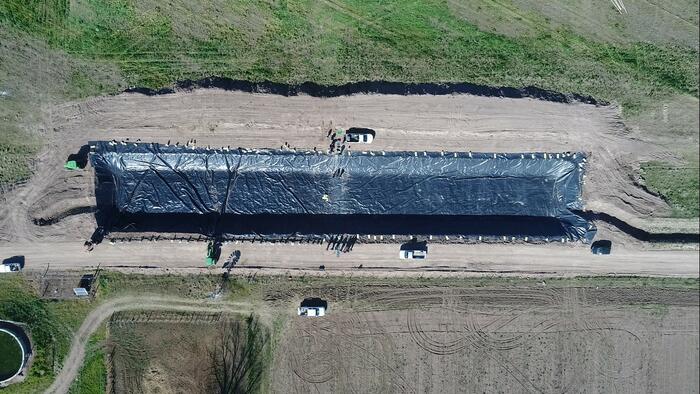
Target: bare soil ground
x: 541, y: 340
x: 161, y: 352
x: 221, y: 118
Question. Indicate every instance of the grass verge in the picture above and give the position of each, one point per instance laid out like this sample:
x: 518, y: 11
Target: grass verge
x: 679, y: 186
x: 92, y: 378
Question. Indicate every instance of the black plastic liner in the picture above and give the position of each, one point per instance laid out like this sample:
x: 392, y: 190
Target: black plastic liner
x: 151, y: 187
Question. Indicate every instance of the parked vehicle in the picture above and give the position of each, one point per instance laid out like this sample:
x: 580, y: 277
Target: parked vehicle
x: 9, y: 267
x: 601, y: 247
x: 12, y: 264
x: 312, y: 307
x: 311, y: 311
x: 413, y: 254
x: 360, y: 135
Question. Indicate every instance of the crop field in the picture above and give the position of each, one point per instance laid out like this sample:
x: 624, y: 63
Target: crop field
x: 489, y: 336
x: 159, y: 356
x: 494, y: 339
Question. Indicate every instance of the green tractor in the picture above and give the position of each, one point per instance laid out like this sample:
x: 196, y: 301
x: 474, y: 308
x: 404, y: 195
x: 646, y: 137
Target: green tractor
x: 71, y: 165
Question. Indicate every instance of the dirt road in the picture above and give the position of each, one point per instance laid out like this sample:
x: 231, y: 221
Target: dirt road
x: 375, y: 259
x: 74, y: 361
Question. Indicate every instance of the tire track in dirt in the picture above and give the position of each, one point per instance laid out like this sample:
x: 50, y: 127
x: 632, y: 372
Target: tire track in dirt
x: 314, y: 363
x: 74, y: 361
x: 490, y: 337
x: 333, y: 341
x: 584, y: 322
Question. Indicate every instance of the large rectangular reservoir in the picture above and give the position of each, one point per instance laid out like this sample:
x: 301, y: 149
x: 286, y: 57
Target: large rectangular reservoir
x: 148, y: 181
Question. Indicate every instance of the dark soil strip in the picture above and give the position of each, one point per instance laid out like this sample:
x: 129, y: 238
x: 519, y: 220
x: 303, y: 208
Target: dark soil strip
x: 377, y: 87
x: 69, y: 212
x: 640, y: 234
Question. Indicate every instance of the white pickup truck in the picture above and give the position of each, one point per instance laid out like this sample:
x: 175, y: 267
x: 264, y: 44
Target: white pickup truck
x: 9, y: 267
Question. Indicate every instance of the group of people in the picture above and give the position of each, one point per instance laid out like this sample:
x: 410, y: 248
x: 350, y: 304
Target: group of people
x: 338, y: 139
x: 341, y: 243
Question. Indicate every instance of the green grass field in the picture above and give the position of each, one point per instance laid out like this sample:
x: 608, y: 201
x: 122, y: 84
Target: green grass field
x: 678, y: 185
x: 333, y: 42
x: 106, y: 45
x: 14, y: 152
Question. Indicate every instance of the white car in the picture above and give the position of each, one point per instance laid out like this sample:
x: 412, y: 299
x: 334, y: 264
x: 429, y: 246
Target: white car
x: 10, y: 267
x: 311, y: 311
x: 413, y: 254
x: 360, y: 135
